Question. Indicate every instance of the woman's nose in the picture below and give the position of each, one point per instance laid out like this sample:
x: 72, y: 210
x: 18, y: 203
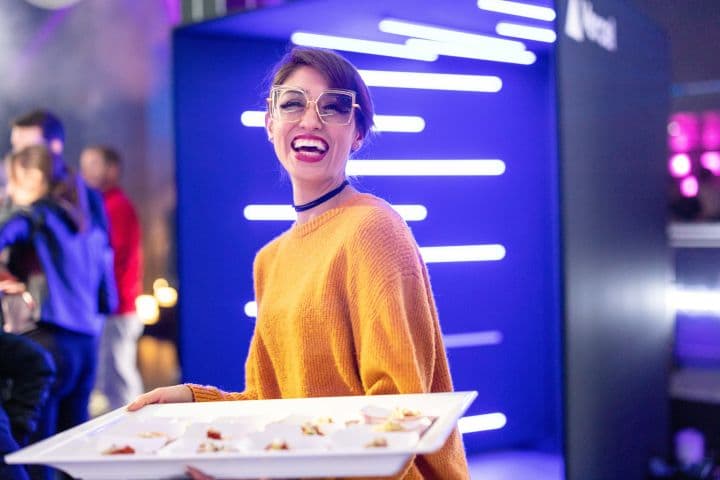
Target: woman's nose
x: 310, y: 118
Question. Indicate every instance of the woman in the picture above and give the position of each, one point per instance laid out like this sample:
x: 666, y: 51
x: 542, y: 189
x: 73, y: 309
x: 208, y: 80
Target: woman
x: 48, y: 222
x: 344, y: 301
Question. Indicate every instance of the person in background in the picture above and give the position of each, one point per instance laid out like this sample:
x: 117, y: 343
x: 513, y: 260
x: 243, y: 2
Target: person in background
x: 118, y: 375
x: 80, y: 282
x: 26, y: 373
x: 344, y: 300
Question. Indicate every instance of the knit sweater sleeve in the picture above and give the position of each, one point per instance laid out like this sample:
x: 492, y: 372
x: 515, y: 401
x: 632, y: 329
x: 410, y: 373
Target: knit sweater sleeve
x: 394, y: 319
x: 398, y: 337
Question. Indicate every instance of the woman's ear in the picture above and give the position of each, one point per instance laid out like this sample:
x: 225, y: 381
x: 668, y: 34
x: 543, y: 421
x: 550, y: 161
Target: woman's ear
x: 357, y: 143
x: 269, y: 126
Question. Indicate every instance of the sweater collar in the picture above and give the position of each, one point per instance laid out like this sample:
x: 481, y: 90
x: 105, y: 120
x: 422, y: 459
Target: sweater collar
x: 300, y: 230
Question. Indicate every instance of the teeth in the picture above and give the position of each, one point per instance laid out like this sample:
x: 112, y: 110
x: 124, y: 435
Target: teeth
x: 309, y: 143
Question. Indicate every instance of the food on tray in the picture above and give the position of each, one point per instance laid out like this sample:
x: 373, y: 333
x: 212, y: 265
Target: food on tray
x: 214, y: 434
x: 389, y: 426
x: 406, y: 414
x: 214, y: 447
x: 309, y: 428
x: 277, y: 444
x: 119, y: 450
x: 377, y: 442
x: 152, y: 434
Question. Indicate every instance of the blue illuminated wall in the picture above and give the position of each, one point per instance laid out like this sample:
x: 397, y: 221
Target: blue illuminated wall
x: 500, y: 318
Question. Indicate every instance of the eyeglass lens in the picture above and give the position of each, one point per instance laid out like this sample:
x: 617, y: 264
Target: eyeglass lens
x: 333, y: 107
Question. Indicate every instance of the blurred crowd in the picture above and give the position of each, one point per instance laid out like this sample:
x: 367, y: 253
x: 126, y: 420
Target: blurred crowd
x: 70, y: 270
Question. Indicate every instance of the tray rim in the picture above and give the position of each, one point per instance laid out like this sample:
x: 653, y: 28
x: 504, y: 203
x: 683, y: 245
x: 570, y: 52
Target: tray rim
x: 40, y: 453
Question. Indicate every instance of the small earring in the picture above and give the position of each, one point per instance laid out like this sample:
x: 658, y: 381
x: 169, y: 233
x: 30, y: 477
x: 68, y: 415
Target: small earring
x: 356, y: 146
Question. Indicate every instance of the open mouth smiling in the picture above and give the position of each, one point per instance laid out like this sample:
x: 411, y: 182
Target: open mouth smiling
x: 309, y: 144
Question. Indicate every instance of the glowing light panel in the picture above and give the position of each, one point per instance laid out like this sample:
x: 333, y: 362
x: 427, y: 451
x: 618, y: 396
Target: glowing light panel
x: 439, y: 34
x: 482, y: 423
x: 432, y: 81
x: 409, y: 213
x: 518, y: 9
x: 370, y: 47
x: 463, y: 253
x: 473, y: 339
x: 490, y: 167
x: 383, y: 123
x: 537, y: 34
x: 524, y: 57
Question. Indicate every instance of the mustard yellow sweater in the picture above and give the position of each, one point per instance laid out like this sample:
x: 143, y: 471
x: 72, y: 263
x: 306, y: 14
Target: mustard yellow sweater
x: 345, y: 308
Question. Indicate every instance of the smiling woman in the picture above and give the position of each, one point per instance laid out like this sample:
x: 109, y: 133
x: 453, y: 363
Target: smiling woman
x: 343, y: 298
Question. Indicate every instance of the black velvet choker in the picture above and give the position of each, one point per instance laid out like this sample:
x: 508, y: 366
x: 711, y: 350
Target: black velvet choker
x: 319, y: 200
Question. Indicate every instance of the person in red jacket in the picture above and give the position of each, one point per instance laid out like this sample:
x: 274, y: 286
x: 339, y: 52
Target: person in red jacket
x: 118, y: 376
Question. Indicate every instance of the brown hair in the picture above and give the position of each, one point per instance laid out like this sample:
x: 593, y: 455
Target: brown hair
x: 338, y: 72
x: 109, y: 155
x: 63, y: 190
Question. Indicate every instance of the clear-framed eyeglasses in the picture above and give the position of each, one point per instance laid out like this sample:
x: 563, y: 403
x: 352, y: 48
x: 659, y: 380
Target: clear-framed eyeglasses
x: 333, y: 106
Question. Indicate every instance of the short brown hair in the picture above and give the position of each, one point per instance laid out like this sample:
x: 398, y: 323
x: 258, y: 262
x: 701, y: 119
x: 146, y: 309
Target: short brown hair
x: 338, y: 72
x: 109, y: 155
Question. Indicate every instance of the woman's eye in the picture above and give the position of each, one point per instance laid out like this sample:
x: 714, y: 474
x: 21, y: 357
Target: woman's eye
x: 292, y: 105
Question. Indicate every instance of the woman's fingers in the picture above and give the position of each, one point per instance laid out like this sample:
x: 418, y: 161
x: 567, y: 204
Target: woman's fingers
x: 174, y: 394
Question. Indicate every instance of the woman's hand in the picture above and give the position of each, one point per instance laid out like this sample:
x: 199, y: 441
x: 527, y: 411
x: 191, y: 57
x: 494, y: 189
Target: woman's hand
x: 174, y: 394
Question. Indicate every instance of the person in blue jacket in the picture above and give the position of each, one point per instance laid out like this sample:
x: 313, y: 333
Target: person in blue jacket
x: 49, y: 218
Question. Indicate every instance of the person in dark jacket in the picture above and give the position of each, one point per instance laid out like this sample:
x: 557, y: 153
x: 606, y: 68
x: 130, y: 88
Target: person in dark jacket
x: 79, y: 278
x: 26, y: 373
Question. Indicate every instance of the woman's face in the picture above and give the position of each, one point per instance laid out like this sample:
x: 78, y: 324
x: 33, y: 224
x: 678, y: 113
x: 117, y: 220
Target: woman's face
x: 312, y: 152
x: 25, y: 185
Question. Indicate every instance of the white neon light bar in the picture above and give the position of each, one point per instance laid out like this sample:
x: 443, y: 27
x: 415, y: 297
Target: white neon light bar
x: 439, y: 34
x: 251, y: 309
x: 383, y: 123
x: 473, y: 339
x: 523, y: 57
x: 411, y: 168
x: 432, y: 81
x: 399, y: 123
x: 253, y: 118
x: 515, y: 30
x: 694, y: 300
x: 518, y: 9
x: 482, y: 423
x: 410, y: 212
x: 463, y: 253
x: 370, y: 47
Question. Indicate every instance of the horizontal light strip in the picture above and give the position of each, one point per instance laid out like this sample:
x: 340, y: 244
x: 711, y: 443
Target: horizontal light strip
x: 432, y: 81
x: 251, y: 309
x: 463, y: 253
x: 361, y: 46
x: 383, y: 123
x: 694, y: 235
x: 399, y: 123
x: 514, y: 30
x: 439, y: 34
x: 524, y: 57
x: 253, y: 118
x: 410, y: 213
x: 482, y: 423
x: 694, y: 300
x: 519, y: 9
x: 410, y: 168
x: 473, y: 339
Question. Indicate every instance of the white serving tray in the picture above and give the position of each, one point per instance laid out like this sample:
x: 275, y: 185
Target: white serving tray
x: 76, y: 451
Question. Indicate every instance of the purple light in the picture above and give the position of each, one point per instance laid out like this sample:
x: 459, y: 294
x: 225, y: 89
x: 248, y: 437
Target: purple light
x: 711, y: 161
x: 683, y: 132
x: 711, y: 130
x: 689, y: 186
x: 679, y: 165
